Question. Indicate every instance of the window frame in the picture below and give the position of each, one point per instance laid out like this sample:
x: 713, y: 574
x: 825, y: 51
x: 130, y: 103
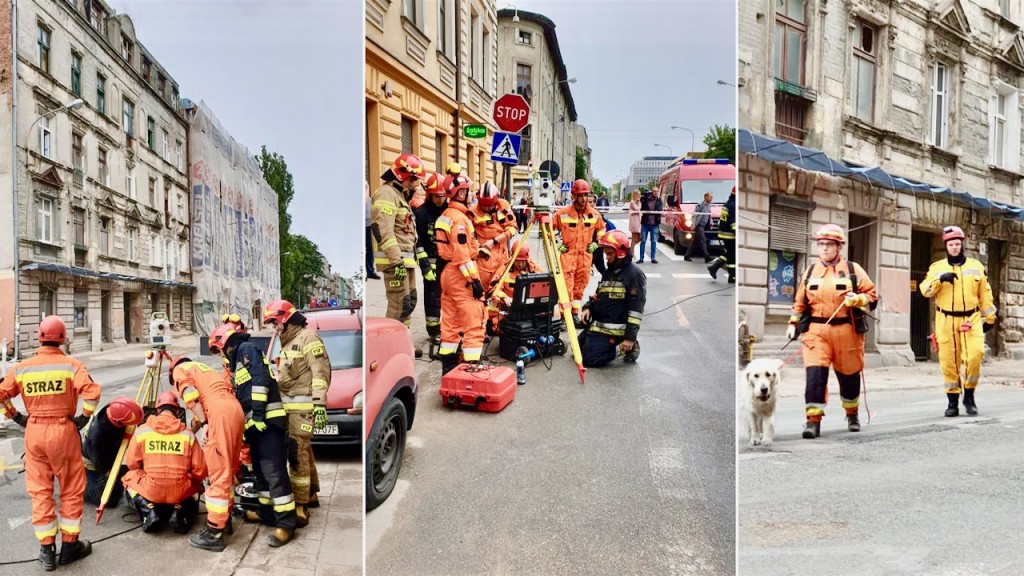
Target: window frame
x: 102, y: 167
x: 45, y: 138
x: 151, y: 133
x: 44, y: 36
x: 859, y: 55
x: 128, y: 116
x: 45, y: 220
x: 938, y: 121
x: 787, y: 23
x: 76, y: 73
x: 101, y: 93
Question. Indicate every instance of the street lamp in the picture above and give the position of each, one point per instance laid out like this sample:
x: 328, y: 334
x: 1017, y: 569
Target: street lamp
x: 553, y: 85
x: 724, y: 83
x: 15, y: 205
x: 669, y: 149
x: 693, y: 140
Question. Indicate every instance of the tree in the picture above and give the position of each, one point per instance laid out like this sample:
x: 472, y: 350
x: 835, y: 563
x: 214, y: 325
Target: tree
x: 597, y: 187
x: 302, y: 264
x: 275, y: 172
x: 581, y: 163
x: 721, y: 143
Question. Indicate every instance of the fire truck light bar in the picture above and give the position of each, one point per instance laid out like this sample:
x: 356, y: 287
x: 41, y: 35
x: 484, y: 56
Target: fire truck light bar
x: 705, y: 160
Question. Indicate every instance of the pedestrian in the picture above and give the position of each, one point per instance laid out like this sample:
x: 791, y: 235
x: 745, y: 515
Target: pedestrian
x: 303, y: 378
x: 395, y: 234
x: 502, y: 289
x: 634, y: 220
x: 649, y: 222
x: 426, y: 216
x: 494, y: 224
x: 370, y: 272
x: 964, y: 311
x: 580, y: 226
x: 209, y: 396
x: 727, y: 234
x: 266, y: 430
x: 101, y: 441
x: 829, y: 311
x: 462, y: 308
x: 602, y: 202
x: 50, y: 383
x: 701, y: 222
x: 523, y: 214
x: 614, y: 313
x: 166, y: 469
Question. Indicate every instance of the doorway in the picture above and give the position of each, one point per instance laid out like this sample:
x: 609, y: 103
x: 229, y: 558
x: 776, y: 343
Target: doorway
x: 128, y: 317
x: 997, y: 254
x: 921, y: 244
x: 862, y: 250
x: 106, y: 303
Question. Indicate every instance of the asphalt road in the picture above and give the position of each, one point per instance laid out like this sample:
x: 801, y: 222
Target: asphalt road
x: 913, y: 493
x: 631, y: 473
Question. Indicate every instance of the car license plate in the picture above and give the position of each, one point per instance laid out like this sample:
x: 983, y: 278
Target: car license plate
x: 716, y: 242
x: 329, y: 429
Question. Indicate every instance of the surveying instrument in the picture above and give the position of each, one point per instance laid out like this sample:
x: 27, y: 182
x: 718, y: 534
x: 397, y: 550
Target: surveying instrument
x: 149, y: 389
x: 541, y: 204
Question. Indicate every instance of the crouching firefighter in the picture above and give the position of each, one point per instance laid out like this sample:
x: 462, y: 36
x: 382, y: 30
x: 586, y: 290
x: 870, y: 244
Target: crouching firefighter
x: 100, y: 444
x: 166, y: 469
x: 829, y: 310
x: 266, y: 430
x: 613, y: 315
x: 964, y: 310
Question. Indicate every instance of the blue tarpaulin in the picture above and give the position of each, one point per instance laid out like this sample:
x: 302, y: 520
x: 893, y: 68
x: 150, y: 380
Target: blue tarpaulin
x: 776, y: 150
x: 75, y: 271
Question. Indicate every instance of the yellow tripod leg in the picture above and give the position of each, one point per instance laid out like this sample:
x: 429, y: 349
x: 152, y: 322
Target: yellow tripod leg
x: 555, y: 265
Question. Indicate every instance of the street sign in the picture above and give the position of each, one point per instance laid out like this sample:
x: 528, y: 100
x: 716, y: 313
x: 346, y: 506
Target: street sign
x: 505, y: 148
x: 566, y: 187
x: 551, y: 168
x: 474, y: 131
x: 511, y: 112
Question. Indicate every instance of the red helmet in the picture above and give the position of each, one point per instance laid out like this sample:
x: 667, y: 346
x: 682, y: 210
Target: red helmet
x: 580, y: 187
x: 432, y: 184
x: 524, y: 250
x: 733, y: 190
x: 278, y: 311
x: 167, y: 399
x: 952, y: 233
x: 831, y: 232
x: 123, y: 412
x: 616, y: 240
x: 453, y: 184
x: 220, y: 335
x: 488, y: 195
x: 174, y: 364
x: 52, y: 330
x: 407, y: 165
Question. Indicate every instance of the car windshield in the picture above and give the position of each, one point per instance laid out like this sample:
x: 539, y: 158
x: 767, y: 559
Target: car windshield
x: 344, y: 348
x: 694, y: 190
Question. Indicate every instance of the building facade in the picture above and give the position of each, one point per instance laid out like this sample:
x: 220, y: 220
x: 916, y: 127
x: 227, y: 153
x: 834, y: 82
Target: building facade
x: 103, y: 217
x: 643, y: 171
x: 926, y: 91
x: 430, y: 71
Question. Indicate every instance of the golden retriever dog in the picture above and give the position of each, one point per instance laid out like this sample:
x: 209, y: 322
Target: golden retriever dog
x: 760, y: 381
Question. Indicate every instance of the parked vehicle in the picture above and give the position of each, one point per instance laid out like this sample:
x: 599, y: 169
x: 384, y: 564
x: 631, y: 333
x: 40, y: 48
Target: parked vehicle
x: 683, y: 187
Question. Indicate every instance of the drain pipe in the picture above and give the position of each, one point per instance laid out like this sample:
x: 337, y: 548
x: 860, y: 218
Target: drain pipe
x: 15, y: 203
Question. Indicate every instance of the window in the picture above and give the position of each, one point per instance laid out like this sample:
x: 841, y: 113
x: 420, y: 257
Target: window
x: 442, y: 26
x: 152, y: 192
x: 174, y: 97
x: 787, y: 245
x: 79, y: 221
x: 1000, y: 128
x: 98, y: 16
x: 129, y: 182
x: 485, y: 57
x: 163, y: 146
x: 179, y: 152
x: 790, y: 41
x: 474, y: 64
x: 44, y: 136
x: 154, y: 250
x: 1004, y: 122
x: 524, y: 81
x: 409, y: 10
x: 103, y: 173
x: 77, y: 152
x: 128, y: 116
x: 150, y: 133
x: 440, y: 148
x: 47, y: 302
x: 104, y: 235
x: 76, y: 73
x: 524, y: 146
x: 525, y: 37
x: 101, y: 97
x: 1004, y: 8
x: 147, y: 69
x: 181, y: 207
x: 161, y: 84
x: 862, y: 81
x: 44, y: 220
x: 133, y: 237
x: 790, y: 117
x: 126, y: 48
x: 940, y: 105
x: 81, y: 308
x: 43, y: 49
x: 407, y: 135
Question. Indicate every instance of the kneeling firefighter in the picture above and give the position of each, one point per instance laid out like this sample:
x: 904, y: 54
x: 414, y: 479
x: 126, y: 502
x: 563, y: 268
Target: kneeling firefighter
x: 613, y: 315
x: 503, y: 289
x: 100, y: 444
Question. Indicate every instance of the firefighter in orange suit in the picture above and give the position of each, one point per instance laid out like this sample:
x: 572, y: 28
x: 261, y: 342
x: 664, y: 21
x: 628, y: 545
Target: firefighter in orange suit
x: 580, y: 226
x: 166, y: 469
x: 462, y: 307
x: 829, y: 309
x: 50, y: 383
x: 210, y: 398
x: 501, y: 291
x: 394, y: 234
x: 964, y: 310
x: 495, y: 225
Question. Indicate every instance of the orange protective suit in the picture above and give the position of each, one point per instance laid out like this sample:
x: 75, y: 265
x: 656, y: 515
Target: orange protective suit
x: 837, y: 344
x: 579, y: 229
x: 50, y: 383
x: 460, y: 311
x: 490, y: 224
x: 503, y: 290
x: 165, y: 463
x: 205, y: 388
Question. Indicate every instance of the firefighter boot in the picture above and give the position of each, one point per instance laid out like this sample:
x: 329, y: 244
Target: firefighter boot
x: 147, y: 513
x: 252, y: 517
x: 954, y: 405
x: 969, y: 406
x: 314, y: 500
x: 301, y: 516
x: 48, y: 557
x: 713, y: 269
x: 209, y: 539
x: 448, y: 363
x: 279, y: 537
x: 812, y: 429
x: 71, y: 551
x: 853, y: 422
x: 633, y: 354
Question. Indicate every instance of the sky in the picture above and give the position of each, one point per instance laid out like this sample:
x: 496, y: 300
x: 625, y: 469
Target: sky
x: 284, y: 74
x: 641, y: 67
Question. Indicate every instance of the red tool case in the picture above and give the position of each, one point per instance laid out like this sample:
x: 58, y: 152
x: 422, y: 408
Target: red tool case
x: 485, y: 388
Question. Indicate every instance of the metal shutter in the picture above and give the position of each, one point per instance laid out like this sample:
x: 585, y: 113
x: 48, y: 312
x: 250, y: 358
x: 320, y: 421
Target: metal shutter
x: 406, y: 135
x: 788, y: 228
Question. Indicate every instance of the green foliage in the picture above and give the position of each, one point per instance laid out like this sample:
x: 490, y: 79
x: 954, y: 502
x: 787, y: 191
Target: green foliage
x: 581, y: 164
x: 597, y: 187
x: 721, y: 143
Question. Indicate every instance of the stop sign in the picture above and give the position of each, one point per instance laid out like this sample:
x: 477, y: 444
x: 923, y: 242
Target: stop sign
x: 511, y: 113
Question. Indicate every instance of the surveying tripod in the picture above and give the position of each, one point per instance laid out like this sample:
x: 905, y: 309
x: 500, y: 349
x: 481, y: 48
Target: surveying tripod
x: 542, y: 215
x: 146, y: 396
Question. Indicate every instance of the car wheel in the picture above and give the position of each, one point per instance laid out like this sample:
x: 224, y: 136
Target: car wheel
x: 385, y: 449
x: 677, y: 245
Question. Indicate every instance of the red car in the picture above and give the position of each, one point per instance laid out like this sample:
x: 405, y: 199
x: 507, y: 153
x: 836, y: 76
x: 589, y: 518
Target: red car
x: 390, y: 404
x: 342, y: 332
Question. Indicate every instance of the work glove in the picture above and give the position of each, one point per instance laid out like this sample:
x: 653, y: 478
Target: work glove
x: 563, y: 248
x: 259, y: 425
x: 430, y: 275
x: 22, y: 419
x: 855, y: 300
x: 948, y: 277
x: 592, y: 247
x: 478, y: 289
x: 400, y: 272
x: 791, y: 332
x: 319, y: 417
x: 984, y: 328
x: 80, y: 421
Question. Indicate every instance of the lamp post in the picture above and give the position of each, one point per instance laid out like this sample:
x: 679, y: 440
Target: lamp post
x: 17, y: 239
x: 724, y: 83
x: 693, y: 140
x: 553, y: 86
x: 669, y: 149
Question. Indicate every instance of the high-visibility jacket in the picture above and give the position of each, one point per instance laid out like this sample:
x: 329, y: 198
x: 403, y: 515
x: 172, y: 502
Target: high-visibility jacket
x: 304, y: 373
x: 969, y: 292
x: 579, y: 229
x: 164, y: 460
x: 456, y: 240
x: 255, y: 387
x: 727, y: 220
x: 426, y: 248
x: 617, y: 309
x: 49, y: 383
x: 823, y: 291
x: 197, y: 383
x: 491, y: 224
x: 392, y: 227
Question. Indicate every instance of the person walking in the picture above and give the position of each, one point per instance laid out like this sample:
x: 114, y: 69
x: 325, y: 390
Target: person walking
x: 727, y: 234
x: 649, y: 222
x: 701, y: 223
x: 634, y: 222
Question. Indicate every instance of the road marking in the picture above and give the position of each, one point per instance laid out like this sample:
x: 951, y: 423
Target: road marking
x: 17, y: 521
x: 682, y: 317
x: 654, y: 275
x: 690, y: 275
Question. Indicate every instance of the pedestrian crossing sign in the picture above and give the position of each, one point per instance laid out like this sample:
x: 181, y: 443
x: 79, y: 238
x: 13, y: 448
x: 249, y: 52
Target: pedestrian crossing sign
x: 566, y: 187
x: 505, y: 148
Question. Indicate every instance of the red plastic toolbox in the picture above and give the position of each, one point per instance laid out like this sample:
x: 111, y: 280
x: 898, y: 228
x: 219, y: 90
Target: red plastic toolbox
x: 486, y: 388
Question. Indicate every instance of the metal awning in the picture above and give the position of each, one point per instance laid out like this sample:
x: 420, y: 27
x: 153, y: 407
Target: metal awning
x: 85, y: 272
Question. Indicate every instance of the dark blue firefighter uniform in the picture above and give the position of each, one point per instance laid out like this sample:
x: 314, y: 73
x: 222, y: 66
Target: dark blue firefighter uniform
x: 616, y: 310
